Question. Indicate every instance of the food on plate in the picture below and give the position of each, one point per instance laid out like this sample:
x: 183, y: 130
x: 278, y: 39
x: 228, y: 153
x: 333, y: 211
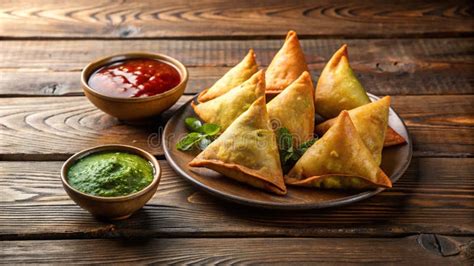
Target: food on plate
x: 200, y: 137
x: 392, y: 138
x: 270, y: 145
x: 371, y: 122
x: 224, y: 109
x: 247, y: 151
x: 290, y: 153
x: 338, y: 88
x: 233, y: 78
x: 286, y: 66
x: 134, y: 78
x: 293, y: 109
x: 110, y: 174
x: 338, y: 160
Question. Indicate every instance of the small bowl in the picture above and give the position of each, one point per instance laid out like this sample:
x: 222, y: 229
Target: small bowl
x: 112, y: 208
x: 133, y: 108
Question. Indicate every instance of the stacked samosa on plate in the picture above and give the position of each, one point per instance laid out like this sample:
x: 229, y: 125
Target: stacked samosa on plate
x: 371, y: 122
x: 338, y: 160
x: 339, y: 89
x: 247, y: 151
x: 233, y: 78
x: 223, y: 110
x: 286, y: 66
x: 293, y: 109
x: 348, y: 153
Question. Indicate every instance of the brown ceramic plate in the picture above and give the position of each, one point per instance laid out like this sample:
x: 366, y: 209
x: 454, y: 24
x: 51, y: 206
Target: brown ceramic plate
x: 395, y: 161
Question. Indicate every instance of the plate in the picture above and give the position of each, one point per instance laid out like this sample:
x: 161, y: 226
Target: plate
x: 395, y: 161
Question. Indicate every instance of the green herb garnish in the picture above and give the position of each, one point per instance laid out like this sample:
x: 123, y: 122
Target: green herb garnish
x: 288, y: 154
x: 201, y: 135
x: 192, y: 124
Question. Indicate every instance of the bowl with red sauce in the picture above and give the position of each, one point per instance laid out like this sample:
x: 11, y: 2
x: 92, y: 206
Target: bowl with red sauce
x: 134, y: 86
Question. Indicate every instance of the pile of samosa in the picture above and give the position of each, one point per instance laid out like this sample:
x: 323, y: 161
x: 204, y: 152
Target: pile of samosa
x: 346, y: 156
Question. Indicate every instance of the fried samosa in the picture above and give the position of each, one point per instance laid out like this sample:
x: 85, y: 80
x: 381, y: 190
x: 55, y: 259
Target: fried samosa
x: 370, y: 121
x: 233, y: 78
x: 338, y: 160
x: 247, y: 151
x: 392, y: 138
x: 338, y: 88
x: 293, y: 109
x: 366, y: 119
x: 286, y: 66
x: 224, y: 109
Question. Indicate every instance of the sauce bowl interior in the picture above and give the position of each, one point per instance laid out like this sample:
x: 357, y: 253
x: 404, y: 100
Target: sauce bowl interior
x: 92, y: 67
x: 117, y: 148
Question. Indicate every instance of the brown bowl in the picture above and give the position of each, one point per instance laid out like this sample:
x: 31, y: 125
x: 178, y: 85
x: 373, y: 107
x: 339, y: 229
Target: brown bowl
x: 134, y: 108
x: 113, y: 208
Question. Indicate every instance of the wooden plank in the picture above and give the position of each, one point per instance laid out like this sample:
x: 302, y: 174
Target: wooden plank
x: 61, y: 55
x: 53, y: 128
x: 223, y: 19
x: 258, y: 251
x: 434, y: 196
x: 401, y: 66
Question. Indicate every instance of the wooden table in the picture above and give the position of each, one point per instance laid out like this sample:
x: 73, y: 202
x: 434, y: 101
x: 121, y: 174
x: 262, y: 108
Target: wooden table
x: 420, y: 53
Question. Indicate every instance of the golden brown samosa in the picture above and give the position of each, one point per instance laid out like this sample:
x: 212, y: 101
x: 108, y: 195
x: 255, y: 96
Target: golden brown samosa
x: 233, y: 78
x: 393, y: 138
x: 247, y: 151
x: 286, y: 66
x: 368, y: 115
x: 293, y: 109
x: 338, y: 88
x: 224, y: 109
x: 338, y: 160
x: 370, y: 121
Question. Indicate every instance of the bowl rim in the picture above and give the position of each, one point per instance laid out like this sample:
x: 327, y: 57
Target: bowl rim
x: 112, y: 147
x: 90, y: 68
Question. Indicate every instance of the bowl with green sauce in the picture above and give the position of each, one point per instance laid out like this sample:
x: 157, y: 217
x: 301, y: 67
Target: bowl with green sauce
x: 111, y: 181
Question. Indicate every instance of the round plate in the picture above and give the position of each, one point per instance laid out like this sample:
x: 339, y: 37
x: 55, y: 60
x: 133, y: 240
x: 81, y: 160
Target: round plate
x: 395, y: 161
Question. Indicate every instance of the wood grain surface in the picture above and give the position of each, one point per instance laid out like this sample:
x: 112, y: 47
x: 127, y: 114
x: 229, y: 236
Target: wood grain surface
x: 420, y: 52
x: 434, y: 196
x: 457, y: 251
x: 400, y: 66
x: 216, y: 19
x: 53, y: 128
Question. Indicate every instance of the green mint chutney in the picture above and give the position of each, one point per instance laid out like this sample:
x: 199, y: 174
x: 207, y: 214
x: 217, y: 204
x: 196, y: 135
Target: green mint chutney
x: 110, y: 174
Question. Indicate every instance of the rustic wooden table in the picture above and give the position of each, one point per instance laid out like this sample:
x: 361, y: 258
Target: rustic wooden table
x: 420, y: 53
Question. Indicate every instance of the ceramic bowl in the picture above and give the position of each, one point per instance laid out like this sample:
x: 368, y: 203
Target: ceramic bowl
x: 113, y: 208
x: 133, y: 108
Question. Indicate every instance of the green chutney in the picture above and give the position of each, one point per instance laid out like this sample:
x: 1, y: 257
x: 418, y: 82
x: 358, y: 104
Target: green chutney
x: 110, y: 174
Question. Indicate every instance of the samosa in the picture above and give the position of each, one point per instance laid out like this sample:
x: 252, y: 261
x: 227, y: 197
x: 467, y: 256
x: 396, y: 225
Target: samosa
x: 293, y: 109
x: 234, y: 77
x: 286, y: 66
x: 247, y: 151
x: 224, y: 109
x: 338, y: 160
x: 338, y: 88
x: 370, y: 121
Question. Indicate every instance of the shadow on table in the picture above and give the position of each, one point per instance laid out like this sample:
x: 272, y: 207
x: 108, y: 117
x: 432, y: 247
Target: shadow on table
x: 199, y: 214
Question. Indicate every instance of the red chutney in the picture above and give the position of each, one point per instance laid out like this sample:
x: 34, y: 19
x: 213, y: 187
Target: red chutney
x: 134, y: 78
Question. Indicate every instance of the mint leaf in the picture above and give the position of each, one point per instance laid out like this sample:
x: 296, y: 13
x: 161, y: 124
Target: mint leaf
x: 192, y: 124
x: 210, y: 129
x: 305, y: 146
x: 189, y: 141
x: 285, y: 139
x: 289, y: 155
x: 201, y: 134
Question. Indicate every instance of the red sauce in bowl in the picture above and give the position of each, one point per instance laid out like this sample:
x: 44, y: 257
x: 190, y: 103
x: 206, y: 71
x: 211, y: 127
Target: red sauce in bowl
x: 134, y: 78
